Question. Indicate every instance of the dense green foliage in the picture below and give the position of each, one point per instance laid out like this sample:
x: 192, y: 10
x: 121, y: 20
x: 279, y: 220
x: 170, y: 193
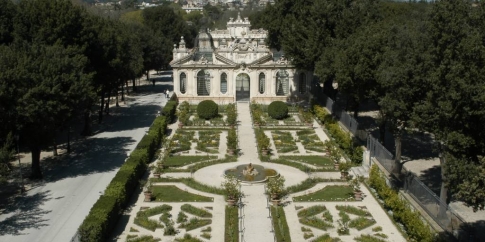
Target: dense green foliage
x: 207, y: 109
x: 416, y: 229
x: 169, y: 110
x: 278, y: 110
x: 60, y: 62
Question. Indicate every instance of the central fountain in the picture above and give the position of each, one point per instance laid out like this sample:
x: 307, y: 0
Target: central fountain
x: 251, y: 173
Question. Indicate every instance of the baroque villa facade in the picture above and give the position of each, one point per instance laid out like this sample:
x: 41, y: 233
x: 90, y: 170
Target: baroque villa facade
x: 235, y: 65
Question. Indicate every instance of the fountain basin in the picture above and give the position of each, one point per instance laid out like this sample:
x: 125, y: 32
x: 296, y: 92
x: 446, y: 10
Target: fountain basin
x: 261, y: 175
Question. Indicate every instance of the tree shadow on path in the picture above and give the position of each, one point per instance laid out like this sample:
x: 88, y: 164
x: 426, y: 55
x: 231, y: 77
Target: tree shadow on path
x: 25, y: 213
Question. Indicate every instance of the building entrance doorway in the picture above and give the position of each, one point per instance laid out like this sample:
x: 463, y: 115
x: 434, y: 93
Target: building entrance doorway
x: 242, y: 87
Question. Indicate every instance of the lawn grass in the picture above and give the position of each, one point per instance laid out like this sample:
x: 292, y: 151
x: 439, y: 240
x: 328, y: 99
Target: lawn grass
x: 353, y: 210
x: 311, y: 211
x: 195, y: 211
x: 361, y: 223
x: 328, y: 194
x: 170, y: 193
x: 201, y: 165
x: 142, y: 219
x: 280, y: 225
x: 190, y: 182
x: 368, y: 238
x: 312, y: 160
x: 316, y: 223
x: 188, y: 238
x: 178, y: 161
x: 144, y: 238
x: 325, y: 238
x: 231, y: 233
x: 195, y: 223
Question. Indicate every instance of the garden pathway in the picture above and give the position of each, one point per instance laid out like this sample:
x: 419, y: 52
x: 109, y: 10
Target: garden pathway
x: 256, y: 223
x: 257, y: 227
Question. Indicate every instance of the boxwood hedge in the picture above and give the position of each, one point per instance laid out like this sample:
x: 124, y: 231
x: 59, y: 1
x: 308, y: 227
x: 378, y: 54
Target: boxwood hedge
x: 104, y: 214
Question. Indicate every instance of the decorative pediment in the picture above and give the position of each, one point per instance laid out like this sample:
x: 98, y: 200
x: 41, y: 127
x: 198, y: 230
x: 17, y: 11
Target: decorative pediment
x: 262, y: 60
x: 182, y: 60
x: 225, y: 60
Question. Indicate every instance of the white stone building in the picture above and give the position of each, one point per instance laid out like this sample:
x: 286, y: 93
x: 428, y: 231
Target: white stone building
x: 235, y: 65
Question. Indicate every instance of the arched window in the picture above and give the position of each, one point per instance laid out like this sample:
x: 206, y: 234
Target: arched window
x: 183, y: 83
x: 262, y: 81
x: 302, y: 86
x: 203, y: 83
x: 282, y: 83
x: 223, y: 83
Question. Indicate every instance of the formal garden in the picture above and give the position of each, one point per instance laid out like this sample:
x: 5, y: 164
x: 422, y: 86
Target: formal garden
x: 327, y: 205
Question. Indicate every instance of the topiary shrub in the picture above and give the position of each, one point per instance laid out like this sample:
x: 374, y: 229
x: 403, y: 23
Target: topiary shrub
x: 207, y: 109
x: 278, y: 110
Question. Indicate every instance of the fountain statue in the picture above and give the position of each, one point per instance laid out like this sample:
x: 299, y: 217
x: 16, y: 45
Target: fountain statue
x: 250, y: 171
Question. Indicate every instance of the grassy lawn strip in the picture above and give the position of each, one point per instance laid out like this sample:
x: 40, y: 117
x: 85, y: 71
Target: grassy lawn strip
x: 368, y: 238
x: 316, y: 223
x: 280, y: 225
x: 195, y: 211
x: 190, y: 182
x: 195, y: 223
x: 311, y: 211
x: 203, y: 164
x: 312, y: 160
x: 144, y: 238
x: 327, y: 216
x: 231, y: 233
x: 361, y: 223
x: 325, y: 238
x: 353, y: 210
x: 308, y: 183
x: 170, y: 193
x: 188, y: 238
x: 178, y: 161
x: 142, y: 219
x: 328, y: 193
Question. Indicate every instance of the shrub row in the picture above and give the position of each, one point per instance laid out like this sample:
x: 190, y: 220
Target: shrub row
x: 231, y: 231
x: 280, y: 224
x: 104, y: 214
x: 342, y: 138
x: 169, y: 111
x: 257, y: 113
x: 416, y: 229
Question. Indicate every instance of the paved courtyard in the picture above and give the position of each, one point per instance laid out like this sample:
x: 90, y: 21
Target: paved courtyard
x: 255, y: 223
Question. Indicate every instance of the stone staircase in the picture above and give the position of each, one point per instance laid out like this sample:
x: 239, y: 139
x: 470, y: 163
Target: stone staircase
x: 360, y: 171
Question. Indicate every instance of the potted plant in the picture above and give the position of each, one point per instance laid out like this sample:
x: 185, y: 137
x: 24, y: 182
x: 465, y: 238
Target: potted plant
x: 231, y: 189
x: 157, y: 172
x: 276, y: 188
x: 333, y: 153
x: 231, y: 141
x: 355, y: 184
x: 231, y: 115
x: 264, y: 142
x: 147, y: 190
x: 344, y: 169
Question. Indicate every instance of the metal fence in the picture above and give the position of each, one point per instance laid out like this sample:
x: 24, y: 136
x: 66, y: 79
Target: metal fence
x: 439, y: 211
x: 343, y: 117
x: 380, y: 152
x: 443, y: 215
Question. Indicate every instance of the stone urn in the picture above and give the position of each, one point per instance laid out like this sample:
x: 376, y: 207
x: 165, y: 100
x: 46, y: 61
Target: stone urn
x: 231, y: 202
x: 181, y: 125
x: 358, y: 195
x: 156, y: 175
x: 336, y: 166
x: 276, y: 202
x: 264, y: 151
x: 148, y: 196
x: 230, y: 151
x: 344, y: 175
